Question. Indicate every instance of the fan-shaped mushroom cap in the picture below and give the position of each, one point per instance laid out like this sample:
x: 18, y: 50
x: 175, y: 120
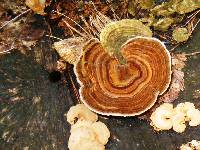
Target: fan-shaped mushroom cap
x: 111, y: 88
x: 115, y: 34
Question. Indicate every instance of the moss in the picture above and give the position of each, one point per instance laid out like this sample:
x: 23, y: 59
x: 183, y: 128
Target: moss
x: 185, y: 6
x: 176, y: 6
x: 181, y: 34
x: 148, y: 20
x: 143, y: 4
x: 163, y: 24
x: 163, y: 9
x: 146, y: 4
x: 169, y: 13
x: 168, y: 9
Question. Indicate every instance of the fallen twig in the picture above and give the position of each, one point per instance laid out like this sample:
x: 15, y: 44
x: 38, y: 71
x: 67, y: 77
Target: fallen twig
x: 173, y: 48
x: 51, y: 36
x: 75, y: 91
x: 72, y: 21
x: 7, y: 51
x: 14, y: 19
x: 192, y: 54
x: 191, y: 17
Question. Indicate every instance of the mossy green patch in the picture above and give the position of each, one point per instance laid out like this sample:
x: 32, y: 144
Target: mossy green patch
x: 181, y: 34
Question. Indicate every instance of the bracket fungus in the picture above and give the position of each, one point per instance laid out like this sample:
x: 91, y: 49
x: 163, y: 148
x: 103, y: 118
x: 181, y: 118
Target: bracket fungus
x: 111, y: 88
x: 115, y: 34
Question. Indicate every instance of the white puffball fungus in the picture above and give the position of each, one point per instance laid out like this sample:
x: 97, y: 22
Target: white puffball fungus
x: 79, y: 134
x: 161, y: 117
x: 80, y: 112
x: 165, y: 117
x: 86, y: 133
x: 194, y: 117
x: 184, y: 107
x: 80, y: 124
x: 101, y: 131
x: 178, y: 122
x: 85, y: 144
x: 193, y: 145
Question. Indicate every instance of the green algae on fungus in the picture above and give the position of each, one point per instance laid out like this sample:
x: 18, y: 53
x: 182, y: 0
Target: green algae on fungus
x: 115, y: 34
x: 181, y: 34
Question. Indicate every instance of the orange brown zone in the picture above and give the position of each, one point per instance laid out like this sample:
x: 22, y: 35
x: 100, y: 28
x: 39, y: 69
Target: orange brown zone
x: 113, y: 89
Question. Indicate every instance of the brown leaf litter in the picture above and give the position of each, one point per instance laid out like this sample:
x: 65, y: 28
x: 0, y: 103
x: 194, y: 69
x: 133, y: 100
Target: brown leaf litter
x: 20, y: 34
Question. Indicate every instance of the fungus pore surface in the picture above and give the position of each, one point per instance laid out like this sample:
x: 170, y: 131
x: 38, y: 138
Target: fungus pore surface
x: 111, y: 88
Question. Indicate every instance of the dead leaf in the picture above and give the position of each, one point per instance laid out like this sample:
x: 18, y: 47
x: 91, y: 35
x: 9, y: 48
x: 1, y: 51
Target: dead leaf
x: 36, y: 5
x: 70, y: 49
x: 21, y: 34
